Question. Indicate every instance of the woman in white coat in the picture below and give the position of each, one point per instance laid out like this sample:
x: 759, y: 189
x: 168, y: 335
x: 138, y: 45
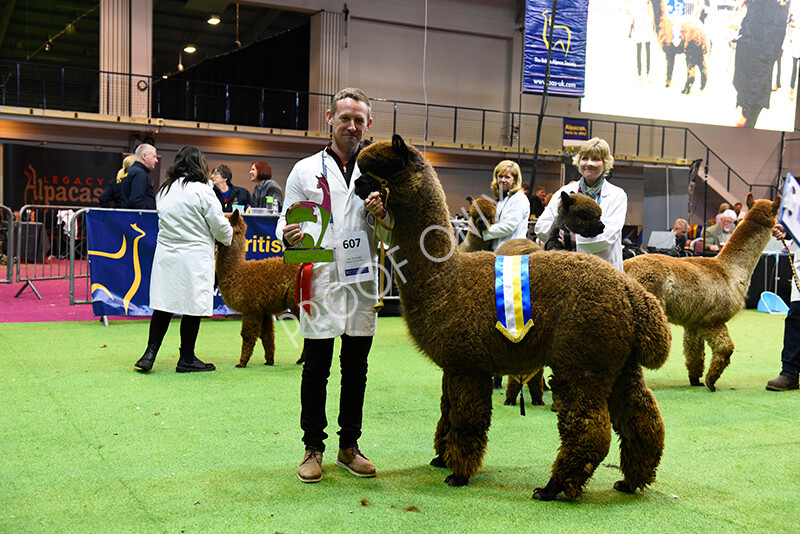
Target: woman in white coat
x: 594, y: 161
x: 513, y: 206
x: 190, y: 219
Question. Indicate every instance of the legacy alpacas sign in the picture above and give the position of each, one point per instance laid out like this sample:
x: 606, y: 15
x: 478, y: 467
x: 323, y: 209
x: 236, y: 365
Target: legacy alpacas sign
x: 55, y: 177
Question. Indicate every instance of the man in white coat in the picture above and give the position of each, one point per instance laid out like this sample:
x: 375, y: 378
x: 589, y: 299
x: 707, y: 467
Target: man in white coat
x: 594, y: 162
x: 341, y: 300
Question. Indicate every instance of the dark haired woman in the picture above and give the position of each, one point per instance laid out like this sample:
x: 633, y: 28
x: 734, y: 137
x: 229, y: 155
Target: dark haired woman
x: 227, y: 193
x: 190, y: 219
x: 261, y: 174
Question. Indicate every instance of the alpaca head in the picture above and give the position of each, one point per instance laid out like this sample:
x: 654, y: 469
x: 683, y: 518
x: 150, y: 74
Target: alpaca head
x: 580, y: 214
x: 239, y: 241
x: 482, y: 214
x: 762, y: 211
x: 403, y: 171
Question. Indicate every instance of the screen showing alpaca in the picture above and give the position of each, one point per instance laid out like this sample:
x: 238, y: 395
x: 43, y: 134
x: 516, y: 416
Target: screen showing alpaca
x: 721, y: 62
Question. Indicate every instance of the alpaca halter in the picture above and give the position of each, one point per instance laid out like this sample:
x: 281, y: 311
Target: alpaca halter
x: 378, y: 239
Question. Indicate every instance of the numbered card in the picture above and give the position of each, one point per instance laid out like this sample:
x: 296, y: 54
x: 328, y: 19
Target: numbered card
x: 353, y: 256
x: 789, y: 215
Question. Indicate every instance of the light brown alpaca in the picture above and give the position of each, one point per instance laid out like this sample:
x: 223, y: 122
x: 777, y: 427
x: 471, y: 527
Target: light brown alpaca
x: 693, y: 43
x: 258, y: 289
x: 595, y: 350
x: 481, y: 216
x: 702, y: 294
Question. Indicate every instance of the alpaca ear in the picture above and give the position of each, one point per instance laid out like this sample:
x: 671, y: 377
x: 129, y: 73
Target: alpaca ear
x: 400, y: 147
x: 234, y: 217
x: 566, y: 200
x: 750, y: 200
x: 776, y: 205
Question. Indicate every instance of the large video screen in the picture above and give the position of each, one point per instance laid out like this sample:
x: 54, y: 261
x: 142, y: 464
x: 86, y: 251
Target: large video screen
x: 743, y: 55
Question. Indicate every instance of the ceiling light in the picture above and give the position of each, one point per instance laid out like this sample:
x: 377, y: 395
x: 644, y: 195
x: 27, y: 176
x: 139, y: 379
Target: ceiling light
x: 190, y: 49
x: 213, y: 20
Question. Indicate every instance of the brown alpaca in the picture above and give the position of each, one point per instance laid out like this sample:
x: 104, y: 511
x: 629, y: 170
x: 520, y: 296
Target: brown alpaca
x: 258, y: 289
x: 693, y: 43
x: 702, y: 294
x: 577, y: 214
x: 481, y: 216
x: 593, y: 326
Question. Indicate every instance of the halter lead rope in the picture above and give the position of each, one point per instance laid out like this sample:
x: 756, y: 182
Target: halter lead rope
x: 378, y: 239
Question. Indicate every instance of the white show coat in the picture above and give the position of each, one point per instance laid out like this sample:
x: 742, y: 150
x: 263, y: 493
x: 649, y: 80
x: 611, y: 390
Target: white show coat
x: 795, y: 291
x: 335, y: 308
x: 189, y: 220
x: 608, y: 245
x: 511, y: 219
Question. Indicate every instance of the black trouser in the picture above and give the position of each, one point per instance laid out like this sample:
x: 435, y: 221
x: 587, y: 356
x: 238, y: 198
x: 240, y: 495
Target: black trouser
x: 790, y: 357
x: 313, y: 389
x: 159, y: 324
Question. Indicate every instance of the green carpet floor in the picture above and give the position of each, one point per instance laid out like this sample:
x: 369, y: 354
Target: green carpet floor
x: 90, y: 445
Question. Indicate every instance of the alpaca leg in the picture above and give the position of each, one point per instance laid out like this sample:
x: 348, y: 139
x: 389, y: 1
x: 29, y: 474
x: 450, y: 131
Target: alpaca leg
x: 536, y: 388
x: 513, y: 388
x: 268, y: 338
x: 470, y: 414
x: 442, y: 427
x: 694, y: 352
x: 497, y: 381
x: 721, y: 349
x: 703, y: 73
x: 637, y: 421
x: 251, y: 331
x: 585, y: 430
x: 690, y: 70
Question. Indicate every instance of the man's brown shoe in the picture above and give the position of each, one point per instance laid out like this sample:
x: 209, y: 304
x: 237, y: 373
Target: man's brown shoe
x: 782, y: 383
x: 310, y: 469
x: 355, y: 462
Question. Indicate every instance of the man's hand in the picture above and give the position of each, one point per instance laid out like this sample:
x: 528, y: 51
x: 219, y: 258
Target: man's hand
x: 779, y: 231
x: 374, y: 205
x: 292, y: 234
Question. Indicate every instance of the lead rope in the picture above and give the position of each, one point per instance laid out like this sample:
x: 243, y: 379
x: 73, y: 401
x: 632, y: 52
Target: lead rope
x: 378, y: 238
x: 791, y: 264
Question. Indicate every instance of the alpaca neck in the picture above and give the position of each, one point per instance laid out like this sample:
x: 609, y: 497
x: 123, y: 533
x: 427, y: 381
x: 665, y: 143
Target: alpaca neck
x: 743, y: 250
x: 228, y: 258
x: 663, y: 29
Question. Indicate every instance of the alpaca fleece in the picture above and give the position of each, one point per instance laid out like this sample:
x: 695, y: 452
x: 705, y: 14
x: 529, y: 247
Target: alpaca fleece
x: 694, y: 45
x: 702, y: 294
x: 594, y: 327
x: 258, y: 289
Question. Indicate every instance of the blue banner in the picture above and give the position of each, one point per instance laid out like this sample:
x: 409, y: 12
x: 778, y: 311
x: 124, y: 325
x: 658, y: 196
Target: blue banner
x: 121, y: 245
x: 576, y: 131
x: 568, y: 50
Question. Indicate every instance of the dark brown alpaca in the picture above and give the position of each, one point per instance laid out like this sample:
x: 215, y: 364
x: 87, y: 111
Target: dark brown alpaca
x: 258, y: 289
x: 694, y: 44
x: 702, y: 294
x: 593, y: 326
x: 577, y: 214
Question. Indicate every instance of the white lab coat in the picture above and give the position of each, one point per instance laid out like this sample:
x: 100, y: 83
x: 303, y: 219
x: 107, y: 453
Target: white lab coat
x: 795, y: 291
x: 190, y: 218
x: 608, y: 245
x: 335, y: 308
x: 511, y: 219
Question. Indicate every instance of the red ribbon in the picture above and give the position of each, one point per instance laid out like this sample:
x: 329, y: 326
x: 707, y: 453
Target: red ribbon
x: 302, y: 288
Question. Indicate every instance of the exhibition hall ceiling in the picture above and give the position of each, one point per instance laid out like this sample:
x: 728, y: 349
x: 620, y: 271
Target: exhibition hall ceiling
x: 67, y: 32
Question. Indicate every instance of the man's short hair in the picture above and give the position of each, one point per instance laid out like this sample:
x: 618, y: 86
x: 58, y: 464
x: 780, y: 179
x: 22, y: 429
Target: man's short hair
x: 351, y: 92
x: 140, y: 150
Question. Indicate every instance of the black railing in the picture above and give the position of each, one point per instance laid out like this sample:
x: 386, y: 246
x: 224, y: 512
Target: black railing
x: 82, y: 90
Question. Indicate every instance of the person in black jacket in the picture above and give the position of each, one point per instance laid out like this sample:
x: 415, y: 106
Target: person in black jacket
x: 227, y: 193
x: 261, y: 174
x: 112, y: 194
x: 136, y: 189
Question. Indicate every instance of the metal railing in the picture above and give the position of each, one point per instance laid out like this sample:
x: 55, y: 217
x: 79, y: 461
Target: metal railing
x: 6, y: 244
x: 50, y: 245
x: 175, y: 98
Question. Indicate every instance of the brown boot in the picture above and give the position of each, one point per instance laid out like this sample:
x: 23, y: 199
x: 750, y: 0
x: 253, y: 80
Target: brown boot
x: 355, y: 462
x: 782, y: 383
x: 310, y: 469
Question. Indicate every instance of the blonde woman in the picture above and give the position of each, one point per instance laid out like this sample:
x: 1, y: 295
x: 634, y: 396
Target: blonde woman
x: 110, y: 198
x: 513, y: 207
x: 594, y: 161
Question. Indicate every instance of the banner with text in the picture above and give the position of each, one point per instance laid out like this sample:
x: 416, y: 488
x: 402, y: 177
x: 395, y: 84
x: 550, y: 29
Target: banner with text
x: 121, y: 245
x: 576, y: 132
x: 568, y: 50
